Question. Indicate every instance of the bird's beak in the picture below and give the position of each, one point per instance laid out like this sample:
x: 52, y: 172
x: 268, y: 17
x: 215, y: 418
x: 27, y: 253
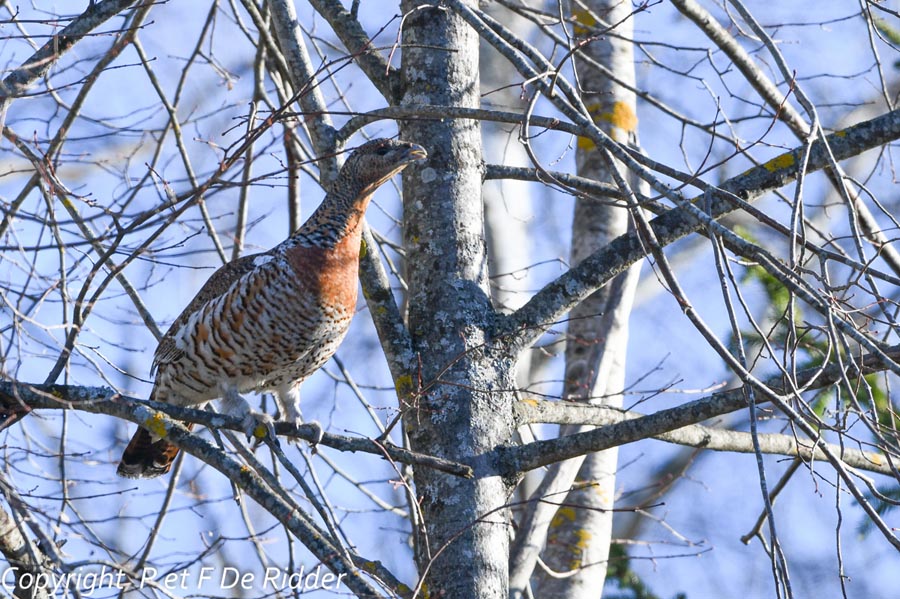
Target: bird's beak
x: 415, y: 152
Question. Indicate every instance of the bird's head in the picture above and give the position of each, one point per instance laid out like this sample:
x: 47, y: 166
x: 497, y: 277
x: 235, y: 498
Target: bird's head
x: 374, y: 162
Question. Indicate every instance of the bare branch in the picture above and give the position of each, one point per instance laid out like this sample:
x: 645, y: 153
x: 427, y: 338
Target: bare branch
x: 102, y: 400
x: 697, y: 435
x: 540, y: 453
x: 547, y: 306
x: 22, y: 78
x: 382, y: 75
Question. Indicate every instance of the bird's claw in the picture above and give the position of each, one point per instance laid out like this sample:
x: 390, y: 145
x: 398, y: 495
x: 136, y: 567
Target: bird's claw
x: 318, y: 433
x: 295, y: 422
x: 258, y: 426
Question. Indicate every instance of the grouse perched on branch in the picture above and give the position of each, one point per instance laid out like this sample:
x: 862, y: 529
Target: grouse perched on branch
x: 266, y: 322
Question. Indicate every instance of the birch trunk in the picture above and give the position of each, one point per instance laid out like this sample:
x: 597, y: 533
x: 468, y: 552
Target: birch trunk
x: 579, y: 537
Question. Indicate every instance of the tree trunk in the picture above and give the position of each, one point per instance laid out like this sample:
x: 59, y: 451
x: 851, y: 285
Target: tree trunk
x: 464, y: 404
x: 579, y: 538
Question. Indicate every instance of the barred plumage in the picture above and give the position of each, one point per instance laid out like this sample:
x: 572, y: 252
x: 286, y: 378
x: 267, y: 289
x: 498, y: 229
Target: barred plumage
x: 266, y: 322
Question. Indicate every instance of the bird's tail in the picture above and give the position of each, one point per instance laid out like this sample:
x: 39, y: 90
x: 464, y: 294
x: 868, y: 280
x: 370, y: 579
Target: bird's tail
x: 147, y: 458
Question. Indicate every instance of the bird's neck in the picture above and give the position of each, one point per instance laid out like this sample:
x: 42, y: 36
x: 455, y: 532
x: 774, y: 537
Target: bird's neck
x: 340, y: 215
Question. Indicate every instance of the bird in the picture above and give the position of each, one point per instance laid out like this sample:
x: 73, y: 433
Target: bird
x: 267, y: 321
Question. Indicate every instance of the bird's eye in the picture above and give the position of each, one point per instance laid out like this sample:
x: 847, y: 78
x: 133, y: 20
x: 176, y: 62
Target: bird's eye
x: 382, y: 150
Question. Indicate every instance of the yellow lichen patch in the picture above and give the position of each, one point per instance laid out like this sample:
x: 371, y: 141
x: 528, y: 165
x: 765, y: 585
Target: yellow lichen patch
x: 621, y: 116
x: 584, y: 20
x: 531, y: 402
x: 563, y: 514
x: 363, y: 248
x: 583, y: 538
x: 156, y: 424
x: 780, y: 162
x: 404, y: 384
x: 67, y: 203
x: 842, y: 133
x: 595, y: 109
x: 586, y: 144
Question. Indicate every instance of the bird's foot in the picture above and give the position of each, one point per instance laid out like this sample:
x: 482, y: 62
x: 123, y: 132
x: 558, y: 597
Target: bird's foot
x: 289, y: 407
x: 257, y: 426
x: 318, y: 434
x: 295, y: 421
x: 317, y: 431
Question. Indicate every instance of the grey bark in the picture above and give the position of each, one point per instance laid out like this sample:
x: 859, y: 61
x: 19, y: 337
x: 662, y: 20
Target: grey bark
x: 508, y: 211
x: 23, y: 556
x: 290, y: 38
x: 698, y: 436
x: 464, y: 405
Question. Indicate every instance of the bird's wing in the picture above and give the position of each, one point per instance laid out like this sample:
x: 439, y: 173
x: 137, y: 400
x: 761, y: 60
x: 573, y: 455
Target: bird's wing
x: 218, y: 284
